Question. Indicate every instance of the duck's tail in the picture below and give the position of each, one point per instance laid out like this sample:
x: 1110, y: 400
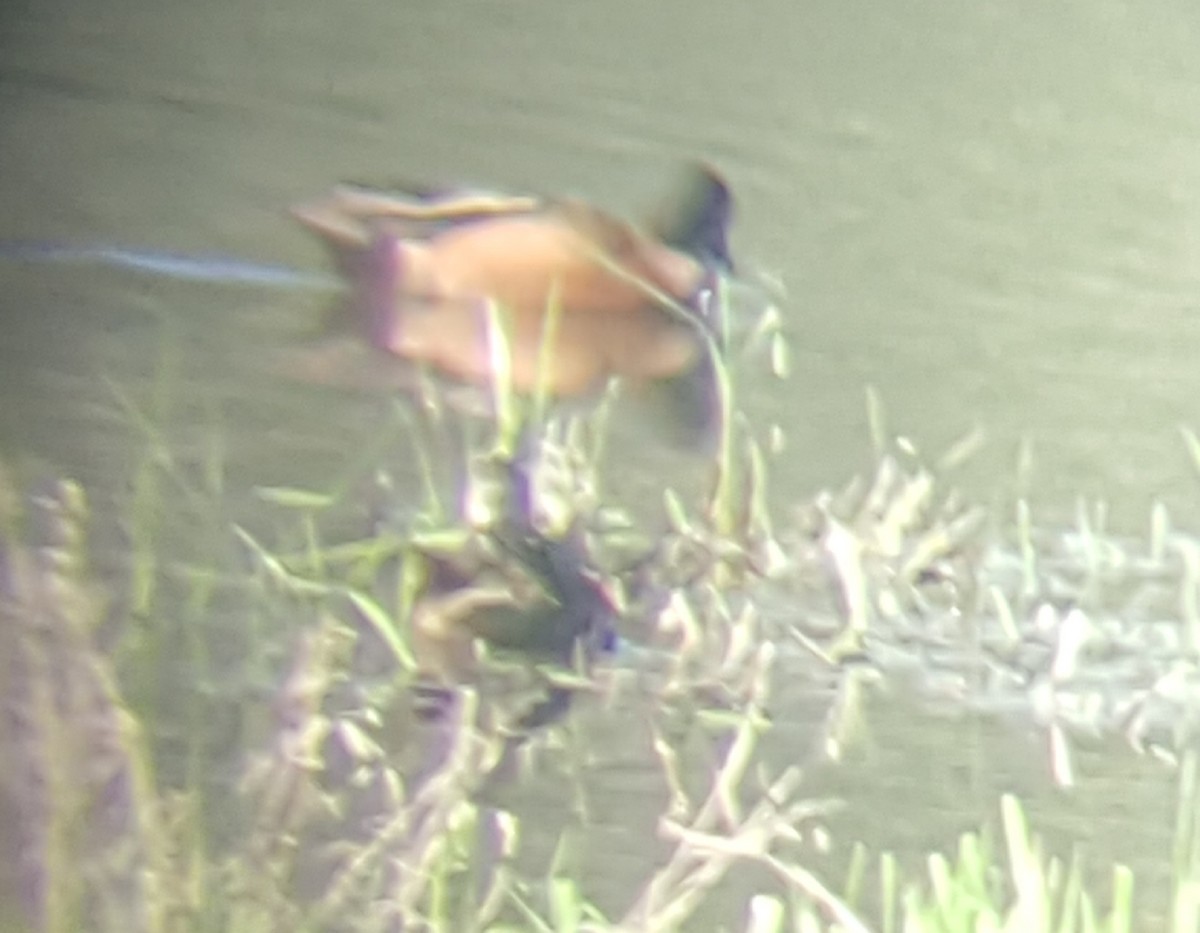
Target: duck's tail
x: 369, y: 264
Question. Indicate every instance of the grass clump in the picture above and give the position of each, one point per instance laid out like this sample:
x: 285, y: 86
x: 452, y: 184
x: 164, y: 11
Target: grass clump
x: 303, y: 729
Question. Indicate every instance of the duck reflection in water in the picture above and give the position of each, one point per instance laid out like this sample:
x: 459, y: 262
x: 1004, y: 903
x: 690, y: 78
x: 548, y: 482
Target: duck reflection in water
x: 514, y: 590
x: 423, y: 271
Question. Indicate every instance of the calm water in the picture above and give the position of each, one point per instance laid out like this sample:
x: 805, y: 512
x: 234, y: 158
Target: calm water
x: 990, y: 211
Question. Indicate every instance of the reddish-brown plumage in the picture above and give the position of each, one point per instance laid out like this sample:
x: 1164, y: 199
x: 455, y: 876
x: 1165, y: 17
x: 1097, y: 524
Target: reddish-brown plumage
x: 423, y: 275
x: 608, y: 322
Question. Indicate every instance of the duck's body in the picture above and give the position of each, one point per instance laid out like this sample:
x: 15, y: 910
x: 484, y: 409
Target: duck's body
x: 612, y: 300
x: 532, y: 597
x: 607, y: 324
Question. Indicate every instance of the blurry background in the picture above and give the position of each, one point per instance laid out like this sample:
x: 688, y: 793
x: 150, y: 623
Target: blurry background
x: 988, y: 210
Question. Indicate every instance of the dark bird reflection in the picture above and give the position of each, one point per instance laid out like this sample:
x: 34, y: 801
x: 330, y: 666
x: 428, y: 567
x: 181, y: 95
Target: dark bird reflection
x: 513, y: 593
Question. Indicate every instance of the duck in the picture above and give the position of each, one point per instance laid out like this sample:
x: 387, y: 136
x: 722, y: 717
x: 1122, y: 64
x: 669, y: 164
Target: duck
x: 423, y: 270
x: 521, y: 590
x: 532, y: 598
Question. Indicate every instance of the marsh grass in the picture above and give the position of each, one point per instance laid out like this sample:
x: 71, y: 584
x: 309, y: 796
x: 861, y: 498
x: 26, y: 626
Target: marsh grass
x: 234, y: 742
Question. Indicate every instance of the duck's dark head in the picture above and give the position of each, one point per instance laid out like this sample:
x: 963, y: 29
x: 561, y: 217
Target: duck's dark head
x: 697, y: 219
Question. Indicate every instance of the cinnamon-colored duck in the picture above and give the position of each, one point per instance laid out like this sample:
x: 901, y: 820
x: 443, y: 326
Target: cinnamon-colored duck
x: 423, y: 270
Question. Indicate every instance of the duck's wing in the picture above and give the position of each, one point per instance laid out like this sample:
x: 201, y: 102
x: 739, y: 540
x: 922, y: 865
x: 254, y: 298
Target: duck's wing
x: 419, y: 214
x: 452, y: 208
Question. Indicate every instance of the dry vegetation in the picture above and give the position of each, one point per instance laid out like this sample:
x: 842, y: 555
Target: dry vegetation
x: 313, y: 735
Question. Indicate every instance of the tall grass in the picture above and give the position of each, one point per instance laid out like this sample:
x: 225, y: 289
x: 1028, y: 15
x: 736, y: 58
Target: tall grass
x: 250, y: 753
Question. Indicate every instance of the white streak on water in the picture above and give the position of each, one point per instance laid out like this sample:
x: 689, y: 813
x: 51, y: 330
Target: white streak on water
x: 228, y: 270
